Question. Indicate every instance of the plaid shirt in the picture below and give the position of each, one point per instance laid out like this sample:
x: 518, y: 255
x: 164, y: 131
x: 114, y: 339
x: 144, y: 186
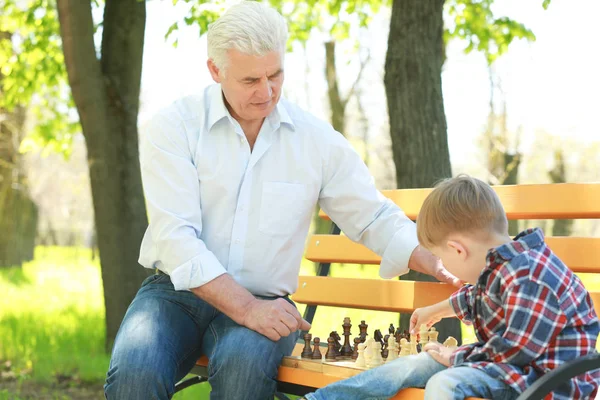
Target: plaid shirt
x: 530, y: 315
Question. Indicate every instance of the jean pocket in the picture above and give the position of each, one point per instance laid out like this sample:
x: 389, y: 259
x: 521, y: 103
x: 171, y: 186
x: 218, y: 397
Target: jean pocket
x: 282, y: 207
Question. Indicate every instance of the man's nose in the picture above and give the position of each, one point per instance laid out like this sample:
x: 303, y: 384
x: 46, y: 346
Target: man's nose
x: 266, y: 89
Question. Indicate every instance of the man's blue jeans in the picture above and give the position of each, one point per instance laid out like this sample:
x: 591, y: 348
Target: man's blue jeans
x: 165, y: 331
x: 418, y: 371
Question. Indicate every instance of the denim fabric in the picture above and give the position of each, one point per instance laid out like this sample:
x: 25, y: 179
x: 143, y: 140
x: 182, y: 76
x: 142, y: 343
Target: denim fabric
x: 165, y: 331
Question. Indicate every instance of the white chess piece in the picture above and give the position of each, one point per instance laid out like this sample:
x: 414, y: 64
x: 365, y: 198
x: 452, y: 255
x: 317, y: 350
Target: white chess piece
x: 376, y: 359
x: 392, y: 349
x: 433, y: 335
x: 368, y: 350
x: 360, y: 361
x: 423, y: 335
x: 404, y: 348
x: 450, y: 342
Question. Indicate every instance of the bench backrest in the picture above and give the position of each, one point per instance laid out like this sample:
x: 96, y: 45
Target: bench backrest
x: 531, y: 202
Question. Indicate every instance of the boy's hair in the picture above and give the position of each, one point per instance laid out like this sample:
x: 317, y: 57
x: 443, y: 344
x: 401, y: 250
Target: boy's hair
x: 460, y: 205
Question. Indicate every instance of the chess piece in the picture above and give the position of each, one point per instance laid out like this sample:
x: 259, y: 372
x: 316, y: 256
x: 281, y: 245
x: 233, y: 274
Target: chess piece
x: 338, y: 345
x: 450, y: 342
x: 376, y: 359
x: 357, y: 341
x: 423, y: 335
x: 307, y: 351
x: 363, y: 331
x: 346, y: 351
x: 368, y: 350
x: 330, y: 355
x: 392, y: 349
x: 316, y: 355
x: 433, y: 335
x: 360, y: 360
x: 378, y: 336
x: 413, y: 348
x: 384, y: 354
x: 391, y: 329
x: 404, y: 348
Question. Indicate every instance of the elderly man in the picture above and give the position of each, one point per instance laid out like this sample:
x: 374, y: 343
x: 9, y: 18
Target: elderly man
x: 231, y: 178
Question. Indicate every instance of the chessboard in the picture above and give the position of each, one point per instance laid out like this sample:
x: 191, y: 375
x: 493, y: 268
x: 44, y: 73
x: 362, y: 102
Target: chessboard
x: 340, y: 359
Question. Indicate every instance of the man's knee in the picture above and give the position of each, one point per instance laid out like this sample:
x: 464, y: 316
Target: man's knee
x: 137, y: 381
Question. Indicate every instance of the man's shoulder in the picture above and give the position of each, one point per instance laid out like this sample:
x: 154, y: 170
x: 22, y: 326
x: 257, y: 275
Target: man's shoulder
x: 184, y: 108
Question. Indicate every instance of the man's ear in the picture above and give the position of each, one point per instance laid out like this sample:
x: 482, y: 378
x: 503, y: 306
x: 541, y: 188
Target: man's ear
x: 457, y: 248
x: 214, y: 70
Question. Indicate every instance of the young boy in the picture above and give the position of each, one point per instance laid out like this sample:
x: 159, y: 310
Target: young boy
x: 529, y: 311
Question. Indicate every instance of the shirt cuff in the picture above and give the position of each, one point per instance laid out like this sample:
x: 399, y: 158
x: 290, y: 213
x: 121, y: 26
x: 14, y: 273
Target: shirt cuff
x: 459, y: 301
x: 394, y: 261
x: 197, y: 272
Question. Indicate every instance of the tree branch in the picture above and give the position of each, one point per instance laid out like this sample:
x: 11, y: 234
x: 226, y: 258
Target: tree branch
x: 352, y: 91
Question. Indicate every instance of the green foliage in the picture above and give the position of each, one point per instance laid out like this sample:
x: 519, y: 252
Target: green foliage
x: 475, y: 22
x: 33, y: 73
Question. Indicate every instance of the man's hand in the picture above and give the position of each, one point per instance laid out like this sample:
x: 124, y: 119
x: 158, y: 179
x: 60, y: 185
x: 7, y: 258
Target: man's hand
x: 422, y: 260
x: 273, y: 318
x: 424, y: 315
x: 439, y: 352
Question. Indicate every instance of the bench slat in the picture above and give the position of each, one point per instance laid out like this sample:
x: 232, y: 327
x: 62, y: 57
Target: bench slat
x: 580, y: 254
x: 540, y: 201
x: 370, y: 294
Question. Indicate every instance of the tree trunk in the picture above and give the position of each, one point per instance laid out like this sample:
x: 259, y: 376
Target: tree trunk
x: 413, y: 84
x: 106, y: 93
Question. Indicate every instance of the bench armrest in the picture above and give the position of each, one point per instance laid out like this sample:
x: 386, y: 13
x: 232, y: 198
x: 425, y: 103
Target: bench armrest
x: 556, y: 377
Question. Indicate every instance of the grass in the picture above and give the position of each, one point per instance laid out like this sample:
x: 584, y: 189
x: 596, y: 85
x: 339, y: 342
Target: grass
x: 52, y: 324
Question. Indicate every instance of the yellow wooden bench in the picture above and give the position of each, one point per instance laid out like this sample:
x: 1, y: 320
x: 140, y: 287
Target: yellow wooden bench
x: 530, y: 202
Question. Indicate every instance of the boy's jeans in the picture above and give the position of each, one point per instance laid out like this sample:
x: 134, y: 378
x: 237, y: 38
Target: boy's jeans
x: 420, y: 371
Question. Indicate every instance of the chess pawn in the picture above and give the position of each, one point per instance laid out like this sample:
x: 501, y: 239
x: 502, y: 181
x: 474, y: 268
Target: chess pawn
x: 433, y: 335
x: 316, y: 355
x: 376, y: 359
x: 360, y: 360
x: 450, y: 342
x: 368, y: 350
x: 404, y: 348
x: 307, y: 351
x: 357, y: 340
x: 330, y: 355
x: 392, y: 350
x: 413, y: 348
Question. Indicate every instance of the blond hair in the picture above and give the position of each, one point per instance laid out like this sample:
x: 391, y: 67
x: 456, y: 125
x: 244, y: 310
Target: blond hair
x: 460, y: 205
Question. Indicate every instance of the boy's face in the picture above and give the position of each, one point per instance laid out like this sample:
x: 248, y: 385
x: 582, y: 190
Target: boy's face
x: 460, y: 259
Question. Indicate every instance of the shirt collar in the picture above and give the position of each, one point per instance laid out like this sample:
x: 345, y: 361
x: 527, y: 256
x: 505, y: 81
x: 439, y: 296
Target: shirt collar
x: 523, y: 242
x: 217, y: 110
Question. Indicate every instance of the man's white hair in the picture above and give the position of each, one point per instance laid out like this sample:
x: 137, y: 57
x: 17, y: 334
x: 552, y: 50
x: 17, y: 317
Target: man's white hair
x: 249, y: 27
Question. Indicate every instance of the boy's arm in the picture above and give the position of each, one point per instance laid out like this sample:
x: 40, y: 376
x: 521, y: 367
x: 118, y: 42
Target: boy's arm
x: 430, y: 315
x: 533, y: 319
x: 461, y: 303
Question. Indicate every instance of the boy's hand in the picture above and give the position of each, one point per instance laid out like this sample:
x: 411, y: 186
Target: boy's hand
x: 439, y: 352
x: 420, y: 316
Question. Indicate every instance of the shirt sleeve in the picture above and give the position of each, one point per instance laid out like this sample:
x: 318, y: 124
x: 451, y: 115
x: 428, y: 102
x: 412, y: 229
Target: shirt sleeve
x: 350, y: 198
x: 172, y: 194
x: 461, y: 302
x: 533, y: 318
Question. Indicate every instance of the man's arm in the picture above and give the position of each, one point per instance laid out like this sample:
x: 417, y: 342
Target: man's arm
x: 173, y: 197
x: 350, y: 198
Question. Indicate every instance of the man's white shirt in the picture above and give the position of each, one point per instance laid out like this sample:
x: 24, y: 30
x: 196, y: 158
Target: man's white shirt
x: 217, y: 207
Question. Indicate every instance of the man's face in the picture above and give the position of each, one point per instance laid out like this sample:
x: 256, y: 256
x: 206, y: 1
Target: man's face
x: 251, y: 84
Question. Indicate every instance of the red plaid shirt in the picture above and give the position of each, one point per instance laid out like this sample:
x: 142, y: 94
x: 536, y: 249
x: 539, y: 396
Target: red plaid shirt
x: 530, y: 315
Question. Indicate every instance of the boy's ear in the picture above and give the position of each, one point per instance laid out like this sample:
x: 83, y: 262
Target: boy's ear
x: 457, y: 248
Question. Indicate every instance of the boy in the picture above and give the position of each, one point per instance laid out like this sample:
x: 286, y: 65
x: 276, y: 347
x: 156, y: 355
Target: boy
x: 529, y: 311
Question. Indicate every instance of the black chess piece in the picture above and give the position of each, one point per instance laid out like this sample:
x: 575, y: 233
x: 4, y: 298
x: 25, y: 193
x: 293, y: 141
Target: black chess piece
x: 338, y: 345
x: 346, y: 351
x: 316, y: 355
x: 391, y: 329
x: 363, y: 331
x: 307, y: 351
x: 331, y: 353
x: 357, y: 341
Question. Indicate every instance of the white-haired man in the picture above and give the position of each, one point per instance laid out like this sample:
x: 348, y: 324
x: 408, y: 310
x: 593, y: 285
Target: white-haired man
x: 231, y: 178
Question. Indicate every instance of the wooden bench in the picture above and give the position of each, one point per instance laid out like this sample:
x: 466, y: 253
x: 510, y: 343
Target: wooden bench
x: 521, y: 202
